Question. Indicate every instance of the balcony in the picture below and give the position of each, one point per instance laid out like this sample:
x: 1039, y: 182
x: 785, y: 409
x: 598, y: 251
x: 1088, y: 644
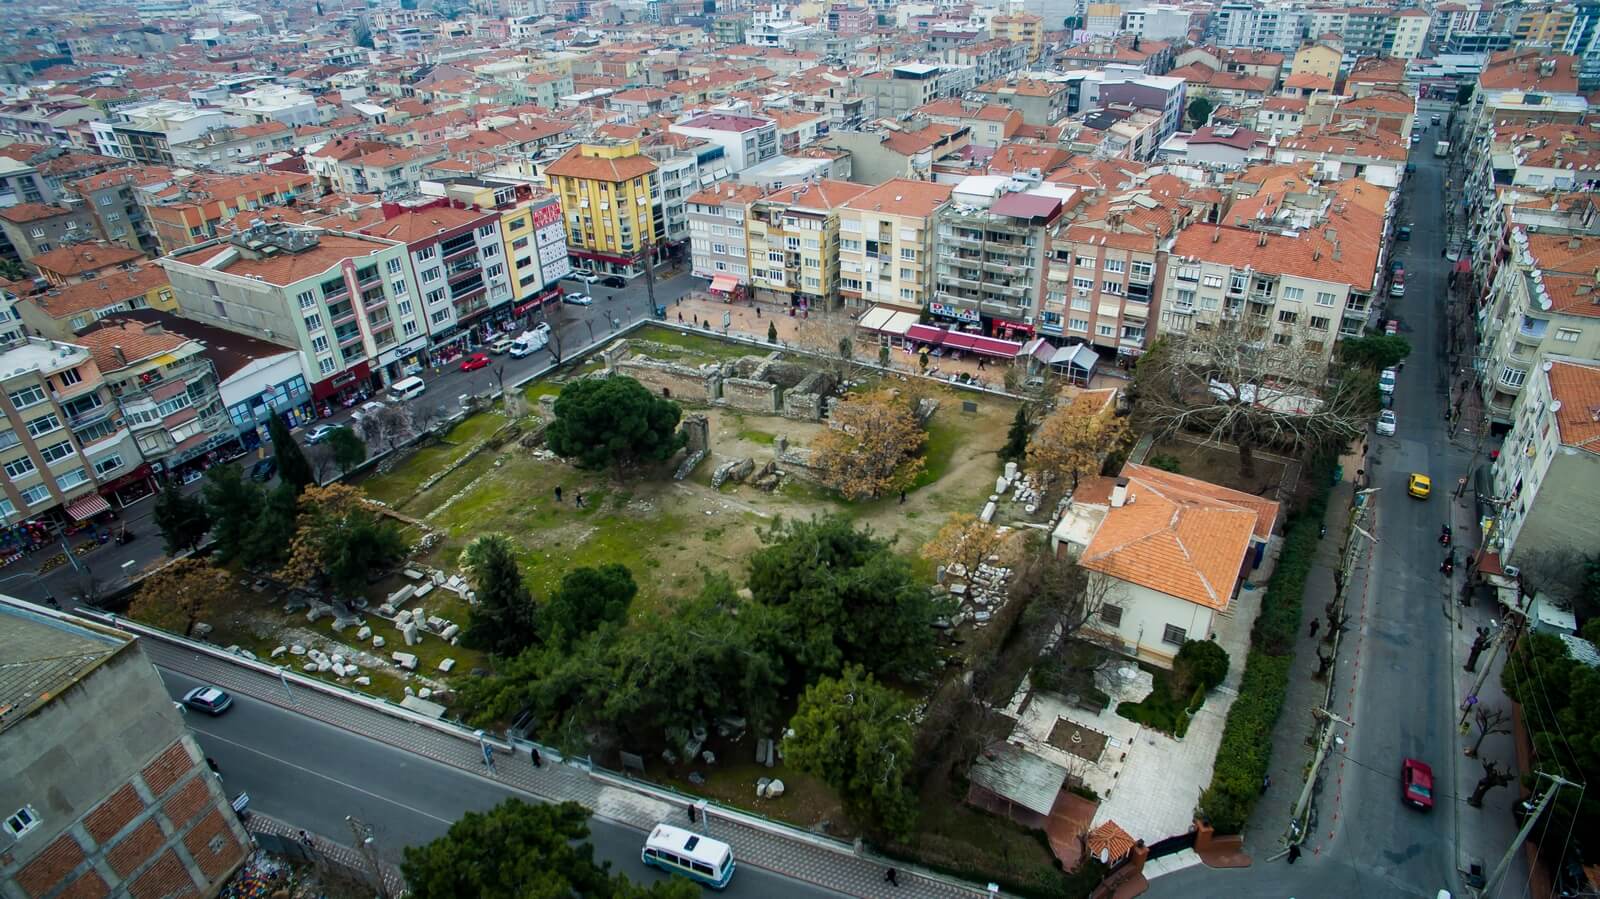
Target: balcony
x: 368, y: 277
x: 341, y: 314
x: 1532, y: 330
x: 373, y: 299
x: 1003, y: 268
x: 347, y: 337
x: 93, y: 416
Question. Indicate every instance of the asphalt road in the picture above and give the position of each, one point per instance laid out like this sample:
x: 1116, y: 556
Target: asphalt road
x: 1404, y: 704
x: 312, y: 775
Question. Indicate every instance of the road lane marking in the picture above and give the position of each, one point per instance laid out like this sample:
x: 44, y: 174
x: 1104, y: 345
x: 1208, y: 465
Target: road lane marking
x: 213, y: 735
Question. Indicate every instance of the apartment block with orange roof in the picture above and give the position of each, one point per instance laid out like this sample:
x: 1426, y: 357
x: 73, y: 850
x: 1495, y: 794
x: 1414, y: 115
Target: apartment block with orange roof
x: 793, y: 243
x: 886, y: 244
x: 186, y: 211
x: 718, y: 236
x: 1548, y: 470
x: 1175, y: 550
x: 1025, y: 28
x: 992, y: 248
x: 608, y: 190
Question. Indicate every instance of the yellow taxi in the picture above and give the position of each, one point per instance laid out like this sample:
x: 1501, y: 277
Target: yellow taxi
x: 1419, y: 485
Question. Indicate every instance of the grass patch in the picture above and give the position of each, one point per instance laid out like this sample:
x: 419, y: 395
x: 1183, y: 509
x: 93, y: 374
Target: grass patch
x: 695, y: 345
x: 943, y: 438
x: 401, y: 483
x: 1160, y: 710
x: 765, y: 438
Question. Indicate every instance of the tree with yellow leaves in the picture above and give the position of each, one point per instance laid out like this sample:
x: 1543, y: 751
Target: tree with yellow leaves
x: 873, y: 447
x: 966, y: 541
x: 340, y: 537
x: 1074, y: 440
x: 179, y: 595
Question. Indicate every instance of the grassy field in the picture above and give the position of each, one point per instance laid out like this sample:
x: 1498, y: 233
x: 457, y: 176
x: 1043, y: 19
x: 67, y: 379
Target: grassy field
x: 404, y: 480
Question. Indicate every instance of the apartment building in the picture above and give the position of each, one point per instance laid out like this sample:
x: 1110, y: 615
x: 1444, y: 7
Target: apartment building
x: 992, y: 246
x: 189, y: 210
x: 61, y: 312
x: 1040, y: 102
x: 607, y: 191
x: 886, y: 244
x: 63, y: 441
x: 1239, y: 24
x: 530, y: 227
x: 114, y: 196
x: 1304, y: 291
x: 718, y: 241
x: 1548, y: 473
x: 1318, y: 59
x: 20, y: 182
x: 1542, y: 301
x: 1410, y: 38
x: 33, y: 229
x: 166, y: 390
x: 1024, y: 28
x: 745, y: 140
x: 145, y: 133
x: 336, y: 297
x: 896, y: 91
x: 392, y: 171
x: 793, y: 243
x: 142, y: 816
x: 234, y: 148
x: 459, y: 264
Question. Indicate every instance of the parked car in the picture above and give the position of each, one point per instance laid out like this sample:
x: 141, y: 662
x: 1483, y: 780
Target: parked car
x: 1387, y: 379
x: 1416, y: 784
x: 1434, y: 118
x: 1386, y: 423
x: 1397, y: 265
x: 1397, y: 288
x: 475, y: 361
x: 263, y: 470
x: 577, y: 299
x: 613, y: 281
x: 208, y: 699
x: 1391, y: 327
x: 1419, y: 486
x: 501, y: 345
x: 584, y: 275
x: 320, y: 433
x: 1404, y: 233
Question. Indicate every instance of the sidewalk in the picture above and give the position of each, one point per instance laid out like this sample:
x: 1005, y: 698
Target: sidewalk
x: 796, y: 856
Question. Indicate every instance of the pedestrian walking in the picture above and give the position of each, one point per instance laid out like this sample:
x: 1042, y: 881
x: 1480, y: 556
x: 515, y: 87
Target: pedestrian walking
x: 538, y: 760
x: 1266, y: 782
x: 305, y: 837
x: 1315, y: 623
x: 558, y: 493
x: 680, y: 318
x: 902, y: 497
x: 892, y: 876
x: 578, y: 499
x: 1294, y: 853
x: 758, y: 312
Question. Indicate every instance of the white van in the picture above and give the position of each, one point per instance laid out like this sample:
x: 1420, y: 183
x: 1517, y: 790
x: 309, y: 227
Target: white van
x: 530, y: 341
x: 405, y: 389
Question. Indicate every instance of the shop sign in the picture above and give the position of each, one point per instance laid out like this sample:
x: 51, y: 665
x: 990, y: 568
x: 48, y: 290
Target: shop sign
x: 957, y: 313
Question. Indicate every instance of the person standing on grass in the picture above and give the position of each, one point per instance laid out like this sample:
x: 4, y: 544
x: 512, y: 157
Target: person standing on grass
x: 558, y: 493
x: 578, y: 499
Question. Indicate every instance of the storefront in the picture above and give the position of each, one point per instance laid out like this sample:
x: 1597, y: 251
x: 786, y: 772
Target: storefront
x: 132, y: 487
x: 728, y: 288
x: 956, y: 344
x: 1006, y: 329
x: 965, y: 319
x: 605, y: 263
x: 535, y: 303
x: 344, y: 389
x: 884, y: 326
x: 404, y: 360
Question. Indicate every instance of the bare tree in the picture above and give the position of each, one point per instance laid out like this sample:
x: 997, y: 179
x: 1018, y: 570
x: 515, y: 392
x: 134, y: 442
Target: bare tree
x: 1492, y: 777
x: 388, y: 427
x: 1242, y: 382
x: 1490, y: 721
x: 1558, y: 572
x: 320, y: 455
x: 1060, y: 592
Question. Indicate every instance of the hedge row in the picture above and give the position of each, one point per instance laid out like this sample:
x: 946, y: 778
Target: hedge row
x: 1246, y: 747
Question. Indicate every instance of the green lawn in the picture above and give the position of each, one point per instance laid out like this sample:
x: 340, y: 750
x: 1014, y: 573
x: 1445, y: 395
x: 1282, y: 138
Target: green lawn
x: 401, y: 483
x: 691, y: 346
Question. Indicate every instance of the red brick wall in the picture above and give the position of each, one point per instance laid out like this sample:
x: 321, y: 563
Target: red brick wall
x: 189, y: 800
x: 165, y: 879
x: 54, y: 863
x: 167, y: 768
x: 136, y: 848
x: 89, y: 885
x: 213, y: 846
x: 113, y: 814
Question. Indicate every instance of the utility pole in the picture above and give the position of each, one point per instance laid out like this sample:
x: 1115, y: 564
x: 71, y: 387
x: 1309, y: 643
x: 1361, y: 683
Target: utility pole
x: 1297, y: 829
x: 1505, y: 635
x: 1492, y: 885
x: 369, y: 851
x: 650, y: 273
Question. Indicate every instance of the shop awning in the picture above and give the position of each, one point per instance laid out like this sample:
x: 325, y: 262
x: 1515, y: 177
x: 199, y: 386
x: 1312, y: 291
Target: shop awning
x: 724, y: 283
x: 87, y: 507
x: 885, y: 320
x: 957, y: 340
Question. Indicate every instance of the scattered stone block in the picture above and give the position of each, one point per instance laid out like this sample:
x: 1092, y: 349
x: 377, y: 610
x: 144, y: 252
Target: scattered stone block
x: 317, y: 611
x: 279, y: 650
x: 424, y: 590
x: 761, y: 787
x: 364, y: 681
x: 398, y: 598
x: 386, y: 610
x: 323, y: 666
x: 447, y: 664
x: 201, y: 631
x: 450, y: 632
x: 424, y: 693
x: 377, y: 642
x: 409, y: 631
x: 405, y: 660
x: 364, y: 633
x: 338, y: 669
x: 775, y: 789
x: 415, y: 575
x: 309, y: 667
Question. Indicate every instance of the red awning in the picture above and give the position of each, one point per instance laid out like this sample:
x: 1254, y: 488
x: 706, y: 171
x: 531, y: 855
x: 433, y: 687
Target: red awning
x: 957, y: 340
x: 602, y: 257
x: 725, y: 283
x: 87, y: 507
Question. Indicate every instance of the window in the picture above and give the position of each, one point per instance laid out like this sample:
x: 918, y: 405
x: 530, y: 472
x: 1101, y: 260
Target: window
x: 403, y: 307
x: 408, y: 328
x: 1107, y: 330
x: 1085, y: 262
x: 44, y: 424
x: 1568, y: 335
x: 1185, y: 299
x: 430, y: 275
x: 8, y: 439
x: 20, y: 467
x: 905, y: 274
x: 486, y: 231
x: 107, y: 465
x: 1210, y: 280
x: 23, y: 821
x: 308, y: 299
x: 435, y: 297
x: 440, y: 317
x: 1282, y: 340
x: 70, y: 377
x: 1236, y: 283
x: 313, y: 323
x: 1111, y: 614
x: 1325, y: 298
x: 57, y: 451
x: 1513, y: 377
x: 1319, y: 323
x: 1293, y: 293
x: 31, y: 395
x: 326, y: 366
x: 1116, y: 266
x: 1175, y: 635
x: 491, y: 250
x: 495, y: 271
x: 1188, y: 273
x: 319, y: 343
x: 1111, y: 287
x: 1078, y: 324
x: 1287, y: 316
x: 1083, y: 283
x: 393, y: 266
x: 76, y: 476
x: 428, y: 252
x: 908, y: 255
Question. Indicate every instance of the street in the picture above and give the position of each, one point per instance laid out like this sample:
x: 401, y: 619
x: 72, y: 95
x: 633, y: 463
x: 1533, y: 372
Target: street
x: 1402, y: 693
x: 579, y: 327
x: 312, y: 775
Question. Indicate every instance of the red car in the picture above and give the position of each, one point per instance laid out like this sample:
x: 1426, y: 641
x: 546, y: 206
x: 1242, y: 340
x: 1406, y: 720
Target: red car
x: 1416, y: 784
x: 475, y: 362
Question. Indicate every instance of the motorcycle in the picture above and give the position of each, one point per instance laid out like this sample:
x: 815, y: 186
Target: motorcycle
x: 1444, y: 536
x: 1448, y: 567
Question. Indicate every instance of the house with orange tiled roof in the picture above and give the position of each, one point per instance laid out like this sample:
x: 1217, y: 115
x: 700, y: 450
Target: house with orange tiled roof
x: 80, y: 262
x: 1174, y: 549
x: 190, y: 210
x: 1549, y: 465
x: 392, y: 170
x: 1040, y: 102
x: 63, y: 310
x: 1389, y: 111
x: 990, y: 124
x: 891, y: 229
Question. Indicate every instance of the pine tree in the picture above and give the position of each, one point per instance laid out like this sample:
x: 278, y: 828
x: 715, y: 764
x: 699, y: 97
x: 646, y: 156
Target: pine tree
x: 1017, y: 440
x: 292, y: 465
x: 183, y: 520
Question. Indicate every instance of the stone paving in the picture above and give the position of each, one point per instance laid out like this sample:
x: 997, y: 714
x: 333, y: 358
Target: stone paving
x: 797, y: 856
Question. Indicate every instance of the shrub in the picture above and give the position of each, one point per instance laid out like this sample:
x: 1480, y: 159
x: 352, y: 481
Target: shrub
x: 1246, y: 747
x: 1199, y: 663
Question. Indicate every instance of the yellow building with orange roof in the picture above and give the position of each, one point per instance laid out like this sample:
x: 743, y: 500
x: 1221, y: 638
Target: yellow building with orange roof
x: 607, y: 191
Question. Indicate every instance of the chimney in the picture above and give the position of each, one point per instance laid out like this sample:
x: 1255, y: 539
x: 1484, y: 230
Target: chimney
x: 1119, y: 493
x: 1262, y: 240
x: 116, y: 350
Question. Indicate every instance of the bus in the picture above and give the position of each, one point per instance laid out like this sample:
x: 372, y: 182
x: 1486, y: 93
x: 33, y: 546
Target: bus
x: 685, y: 852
